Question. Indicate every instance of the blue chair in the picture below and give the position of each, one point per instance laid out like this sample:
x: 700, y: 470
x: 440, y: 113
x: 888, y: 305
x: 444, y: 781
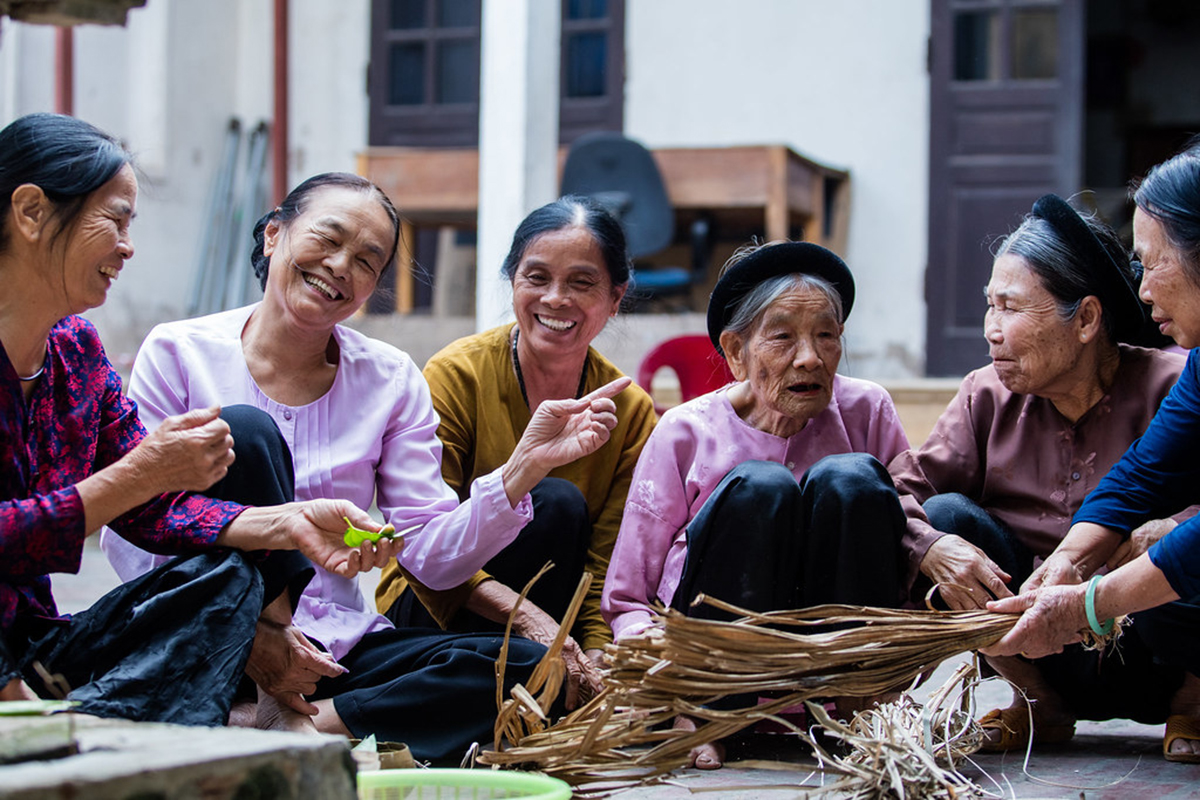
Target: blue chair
x: 621, y: 175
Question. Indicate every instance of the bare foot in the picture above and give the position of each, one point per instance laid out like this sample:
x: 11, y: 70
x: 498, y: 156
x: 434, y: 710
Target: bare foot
x: 271, y: 715
x: 705, y: 756
x: 1187, y: 702
x: 243, y: 714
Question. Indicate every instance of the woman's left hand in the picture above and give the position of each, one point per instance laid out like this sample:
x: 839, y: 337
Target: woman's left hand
x: 1140, y: 541
x: 1051, y: 618
x: 315, y: 528
x: 561, y: 431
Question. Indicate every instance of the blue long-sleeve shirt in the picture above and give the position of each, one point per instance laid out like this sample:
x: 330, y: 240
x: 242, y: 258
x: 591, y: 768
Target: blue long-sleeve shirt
x: 1158, y: 476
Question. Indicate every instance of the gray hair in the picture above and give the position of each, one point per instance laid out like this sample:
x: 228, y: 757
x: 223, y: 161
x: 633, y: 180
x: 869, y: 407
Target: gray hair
x: 1062, y: 269
x: 757, y: 300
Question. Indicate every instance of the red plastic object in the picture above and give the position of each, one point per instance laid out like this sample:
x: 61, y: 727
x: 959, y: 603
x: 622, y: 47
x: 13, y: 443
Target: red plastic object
x: 694, y: 360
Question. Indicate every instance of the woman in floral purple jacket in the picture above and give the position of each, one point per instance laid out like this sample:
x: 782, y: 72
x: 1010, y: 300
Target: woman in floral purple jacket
x: 172, y: 645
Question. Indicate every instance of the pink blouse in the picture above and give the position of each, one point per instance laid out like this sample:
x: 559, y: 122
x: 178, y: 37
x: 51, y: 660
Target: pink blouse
x: 691, y: 449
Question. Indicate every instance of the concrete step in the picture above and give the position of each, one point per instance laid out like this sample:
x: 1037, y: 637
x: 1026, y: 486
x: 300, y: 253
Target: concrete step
x: 118, y: 760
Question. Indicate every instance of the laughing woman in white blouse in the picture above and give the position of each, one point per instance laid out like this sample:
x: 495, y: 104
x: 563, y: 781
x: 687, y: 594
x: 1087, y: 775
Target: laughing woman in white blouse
x: 358, y: 419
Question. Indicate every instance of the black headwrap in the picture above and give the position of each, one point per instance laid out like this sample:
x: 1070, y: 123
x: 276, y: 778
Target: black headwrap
x: 770, y: 261
x: 1115, y: 287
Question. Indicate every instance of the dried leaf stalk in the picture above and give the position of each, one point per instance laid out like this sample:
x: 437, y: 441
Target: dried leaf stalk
x: 683, y: 664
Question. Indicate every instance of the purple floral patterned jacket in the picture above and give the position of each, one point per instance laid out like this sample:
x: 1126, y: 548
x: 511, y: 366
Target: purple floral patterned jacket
x: 77, y: 422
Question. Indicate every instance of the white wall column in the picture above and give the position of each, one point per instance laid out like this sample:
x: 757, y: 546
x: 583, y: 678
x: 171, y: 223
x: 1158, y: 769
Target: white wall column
x: 518, y: 135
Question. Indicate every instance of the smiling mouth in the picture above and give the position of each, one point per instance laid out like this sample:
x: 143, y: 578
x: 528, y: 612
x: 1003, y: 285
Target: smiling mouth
x: 321, y: 286
x: 559, y: 325
x: 110, y: 272
x: 805, y: 388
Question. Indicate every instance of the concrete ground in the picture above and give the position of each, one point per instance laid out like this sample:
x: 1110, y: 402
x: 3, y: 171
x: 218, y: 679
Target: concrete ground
x: 1115, y: 759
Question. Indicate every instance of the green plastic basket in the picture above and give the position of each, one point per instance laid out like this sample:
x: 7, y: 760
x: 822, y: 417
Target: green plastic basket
x: 458, y: 784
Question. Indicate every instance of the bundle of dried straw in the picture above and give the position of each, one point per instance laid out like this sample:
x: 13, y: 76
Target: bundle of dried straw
x: 684, y: 664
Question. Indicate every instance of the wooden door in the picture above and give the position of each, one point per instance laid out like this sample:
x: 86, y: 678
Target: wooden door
x: 1006, y: 100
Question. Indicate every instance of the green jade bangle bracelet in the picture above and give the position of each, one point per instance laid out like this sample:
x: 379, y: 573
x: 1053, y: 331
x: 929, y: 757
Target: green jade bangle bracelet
x: 1089, y: 606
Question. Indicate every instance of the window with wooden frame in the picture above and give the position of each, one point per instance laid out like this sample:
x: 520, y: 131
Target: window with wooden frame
x: 424, y: 75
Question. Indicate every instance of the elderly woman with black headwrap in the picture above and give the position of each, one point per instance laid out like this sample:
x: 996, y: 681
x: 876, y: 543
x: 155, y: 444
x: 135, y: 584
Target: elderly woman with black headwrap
x: 1011, y: 459
x: 769, y: 493
x: 1158, y: 584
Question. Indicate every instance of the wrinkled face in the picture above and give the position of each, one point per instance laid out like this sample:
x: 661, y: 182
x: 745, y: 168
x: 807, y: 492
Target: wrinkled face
x: 562, y: 292
x: 98, y: 243
x: 1032, y: 348
x: 325, y: 263
x: 1166, y: 283
x: 790, y: 357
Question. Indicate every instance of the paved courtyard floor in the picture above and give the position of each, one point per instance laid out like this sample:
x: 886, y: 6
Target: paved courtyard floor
x: 1115, y: 759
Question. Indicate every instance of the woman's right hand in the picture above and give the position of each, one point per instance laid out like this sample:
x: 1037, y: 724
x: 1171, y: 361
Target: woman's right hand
x: 287, y: 666
x: 966, y: 578
x: 188, y: 452
x: 583, y: 676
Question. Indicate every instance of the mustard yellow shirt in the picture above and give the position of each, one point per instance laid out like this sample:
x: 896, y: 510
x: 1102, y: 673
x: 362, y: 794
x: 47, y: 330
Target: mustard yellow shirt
x: 482, y: 413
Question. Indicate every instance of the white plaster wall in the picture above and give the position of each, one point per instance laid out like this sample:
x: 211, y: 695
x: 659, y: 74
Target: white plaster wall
x: 843, y: 83
x: 330, y: 50
x: 167, y: 84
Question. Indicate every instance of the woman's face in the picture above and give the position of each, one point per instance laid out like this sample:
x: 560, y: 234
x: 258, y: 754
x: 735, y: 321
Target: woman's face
x: 1033, y: 349
x: 562, y: 292
x: 325, y: 263
x: 97, y: 245
x: 1167, y: 285
x: 789, y: 360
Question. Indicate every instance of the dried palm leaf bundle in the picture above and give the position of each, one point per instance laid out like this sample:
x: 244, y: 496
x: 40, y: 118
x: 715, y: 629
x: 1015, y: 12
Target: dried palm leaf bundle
x: 684, y: 664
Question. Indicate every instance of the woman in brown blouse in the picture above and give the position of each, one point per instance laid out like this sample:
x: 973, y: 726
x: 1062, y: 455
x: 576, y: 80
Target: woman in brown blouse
x: 993, y: 489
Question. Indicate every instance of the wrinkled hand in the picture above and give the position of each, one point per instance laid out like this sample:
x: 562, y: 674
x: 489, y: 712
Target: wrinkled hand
x: 16, y: 689
x: 965, y: 576
x: 1140, y: 541
x: 287, y: 666
x: 1051, y: 618
x: 562, y: 431
x: 316, y: 527
x: 1057, y: 570
x: 583, y: 676
x: 188, y: 452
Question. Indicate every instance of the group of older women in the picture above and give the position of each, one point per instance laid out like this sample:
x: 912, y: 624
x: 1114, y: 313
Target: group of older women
x: 272, y: 426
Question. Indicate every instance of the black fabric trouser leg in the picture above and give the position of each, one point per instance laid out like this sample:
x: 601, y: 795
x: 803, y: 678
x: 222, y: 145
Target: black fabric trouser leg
x: 764, y: 542
x: 432, y: 690
x: 262, y: 475
x: 559, y: 531
x: 956, y: 513
x: 169, y: 646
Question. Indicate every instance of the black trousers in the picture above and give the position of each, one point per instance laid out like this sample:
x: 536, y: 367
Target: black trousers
x: 559, y: 531
x: 171, y: 645
x: 432, y: 690
x: 764, y: 542
x: 1132, y: 679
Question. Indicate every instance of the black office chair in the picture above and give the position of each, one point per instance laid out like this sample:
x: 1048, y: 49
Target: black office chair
x: 621, y: 174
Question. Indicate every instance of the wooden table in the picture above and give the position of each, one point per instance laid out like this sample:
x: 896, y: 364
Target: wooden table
x: 768, y: 189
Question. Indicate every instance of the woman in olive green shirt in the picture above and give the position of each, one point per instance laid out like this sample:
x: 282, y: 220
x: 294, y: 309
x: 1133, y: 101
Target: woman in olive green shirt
x: 569, y: 270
